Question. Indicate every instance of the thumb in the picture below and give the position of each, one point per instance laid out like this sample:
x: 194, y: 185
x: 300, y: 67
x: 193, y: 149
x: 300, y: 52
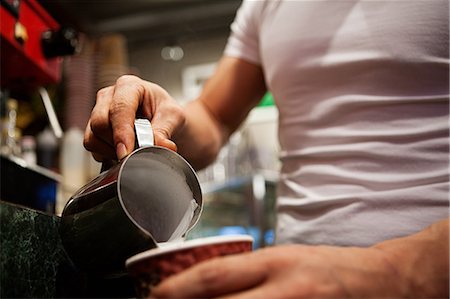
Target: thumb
x: 124, y: 139
x: 163, y: 140
x: 127, y: 97
x: 122, y: 118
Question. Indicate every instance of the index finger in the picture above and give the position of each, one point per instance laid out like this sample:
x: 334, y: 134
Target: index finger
x: 214, y: 277
x: 127, y: 98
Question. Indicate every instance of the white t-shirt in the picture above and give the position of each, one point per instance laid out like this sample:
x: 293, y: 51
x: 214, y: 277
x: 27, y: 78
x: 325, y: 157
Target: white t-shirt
x: 362, y: 89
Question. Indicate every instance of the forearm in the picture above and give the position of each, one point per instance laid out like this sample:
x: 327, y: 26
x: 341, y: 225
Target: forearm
x: 422, y: 261
x: 202, y: 137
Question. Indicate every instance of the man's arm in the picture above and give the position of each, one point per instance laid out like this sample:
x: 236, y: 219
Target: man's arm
x: 227, y: 98
x: 422, y: 260
x: 411, y: 267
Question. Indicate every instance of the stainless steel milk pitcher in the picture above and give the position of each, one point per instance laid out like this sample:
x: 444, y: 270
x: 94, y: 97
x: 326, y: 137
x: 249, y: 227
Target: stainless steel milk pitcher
x: 151, y: 196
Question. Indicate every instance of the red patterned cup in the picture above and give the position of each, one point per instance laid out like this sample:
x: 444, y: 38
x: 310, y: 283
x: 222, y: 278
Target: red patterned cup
x: 150, y: 267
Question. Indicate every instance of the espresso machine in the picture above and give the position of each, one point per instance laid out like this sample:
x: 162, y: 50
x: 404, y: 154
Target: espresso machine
x: 33, y: 261
x: 33, y: 45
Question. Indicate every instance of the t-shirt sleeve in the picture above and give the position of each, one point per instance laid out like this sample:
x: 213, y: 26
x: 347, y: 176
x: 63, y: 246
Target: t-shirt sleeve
x: 243, y: 41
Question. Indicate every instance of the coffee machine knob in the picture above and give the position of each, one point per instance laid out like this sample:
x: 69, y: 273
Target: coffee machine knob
x: 61, y: 42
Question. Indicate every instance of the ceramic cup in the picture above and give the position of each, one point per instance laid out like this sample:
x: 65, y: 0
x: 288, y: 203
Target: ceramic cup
x: 150, y: 267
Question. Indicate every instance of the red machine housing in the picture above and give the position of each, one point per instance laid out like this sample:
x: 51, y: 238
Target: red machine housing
x: 23, y: 63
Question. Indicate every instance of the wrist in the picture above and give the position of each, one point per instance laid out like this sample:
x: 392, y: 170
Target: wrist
x: 421, y: 262
x: 391, y: 264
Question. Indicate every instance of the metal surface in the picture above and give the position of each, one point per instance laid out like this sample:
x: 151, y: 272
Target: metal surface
x: 53, y: 119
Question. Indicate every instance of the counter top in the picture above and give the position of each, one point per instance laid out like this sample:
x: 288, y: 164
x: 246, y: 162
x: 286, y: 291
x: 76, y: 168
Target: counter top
x: 33, y: 263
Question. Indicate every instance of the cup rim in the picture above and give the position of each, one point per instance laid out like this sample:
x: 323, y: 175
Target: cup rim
x: 167, y: 247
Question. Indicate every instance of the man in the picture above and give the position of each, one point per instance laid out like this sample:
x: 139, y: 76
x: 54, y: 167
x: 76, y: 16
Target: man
x: 362, y: 92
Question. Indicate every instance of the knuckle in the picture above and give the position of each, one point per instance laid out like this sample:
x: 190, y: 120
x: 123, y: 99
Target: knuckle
x: 101, y: 92
x: 117, y: 107
x: 127, y: 80
x: 86, y: 142
x: 97, y: 124
x: 89, y: 147
x: 130, y: 82
x: 87, y: 138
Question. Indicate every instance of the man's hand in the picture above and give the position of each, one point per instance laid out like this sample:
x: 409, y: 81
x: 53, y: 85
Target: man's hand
x: 414, y: 266
x: 110, y: 131
x: 197, y: 130
x: 293, y: 271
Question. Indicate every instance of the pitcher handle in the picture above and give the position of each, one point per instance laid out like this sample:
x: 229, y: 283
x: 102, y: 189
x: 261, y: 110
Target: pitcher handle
x: 143, y: 132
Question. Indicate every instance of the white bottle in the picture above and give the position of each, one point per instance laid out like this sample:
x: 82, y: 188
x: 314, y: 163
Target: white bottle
x: 72, y: 165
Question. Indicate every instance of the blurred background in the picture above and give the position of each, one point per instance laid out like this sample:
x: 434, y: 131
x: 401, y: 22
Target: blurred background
x: 82, y: 46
